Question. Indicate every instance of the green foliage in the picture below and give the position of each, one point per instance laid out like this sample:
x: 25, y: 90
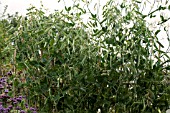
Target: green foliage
x: 64, y: 65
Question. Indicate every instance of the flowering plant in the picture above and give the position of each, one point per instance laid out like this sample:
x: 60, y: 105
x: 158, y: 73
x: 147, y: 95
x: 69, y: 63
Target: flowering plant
x: 9, y: 103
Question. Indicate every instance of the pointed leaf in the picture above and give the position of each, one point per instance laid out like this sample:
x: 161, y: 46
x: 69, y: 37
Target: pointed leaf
x: 157, y: 32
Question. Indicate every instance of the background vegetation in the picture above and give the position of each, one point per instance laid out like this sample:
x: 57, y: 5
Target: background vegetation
x: 63, y: 65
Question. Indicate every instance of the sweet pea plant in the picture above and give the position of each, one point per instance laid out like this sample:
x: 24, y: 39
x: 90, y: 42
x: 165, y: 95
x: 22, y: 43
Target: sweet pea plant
x: 112, y: 63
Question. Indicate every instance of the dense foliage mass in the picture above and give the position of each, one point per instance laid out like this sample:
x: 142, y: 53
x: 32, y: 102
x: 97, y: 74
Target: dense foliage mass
x: 63, y: 65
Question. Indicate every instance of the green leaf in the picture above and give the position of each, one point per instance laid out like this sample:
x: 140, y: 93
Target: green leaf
x: 167, y: 67
x: 40, y: 32
x: 83, y: 11
x: 138, y: 12
x: 21, y: 66
x: 157, y: 32
x: 122, y: 5
x: 97, y: 33
x: 52, y: 42
x: 138, y: 1
x: 161, y: 8
x: 143, y: 16
x: 160, y: 44
x: 104, y: 29
x: 162, y: 18
x: 103, y: 21
x: 67, y: 9
x: 71, y: 24
x: 93, y: 15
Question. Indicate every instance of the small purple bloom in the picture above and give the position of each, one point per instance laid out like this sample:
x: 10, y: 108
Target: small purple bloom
x: 32, y: 109
x: 12, y: 99
x: 1, y: 107
x: 7, y: 110
x: 20, y: 96
x: 5, y: 96
x: 6, y: 90
x: 1, y: 86
x: 3, y: 79
x: 10, y: 107
x: 19, y: 99
x: 15, y: 102
x: 18, y: 108
x: 22, y: 111
x: 1, y: 97
x: 26, y: 105
x: 9, y: 73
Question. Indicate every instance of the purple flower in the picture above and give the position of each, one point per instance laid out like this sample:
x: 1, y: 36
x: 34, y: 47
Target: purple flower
x: 22, y: 111
x: 10, y: 107
x: 3, y: 79
x: 18, y: 108
x: 20, y: 96
x: 32, y: 109
x: 12, y: 99
x: 1, y: 108
x: 8, y: 101
x: 26, y: 105
x: 9, y: 73
x: 4, y: 96
x: 19, y: 99
x: 6, y: 110
x: 15, y: 102
x: 1, y: 86
x: 6, y: 90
